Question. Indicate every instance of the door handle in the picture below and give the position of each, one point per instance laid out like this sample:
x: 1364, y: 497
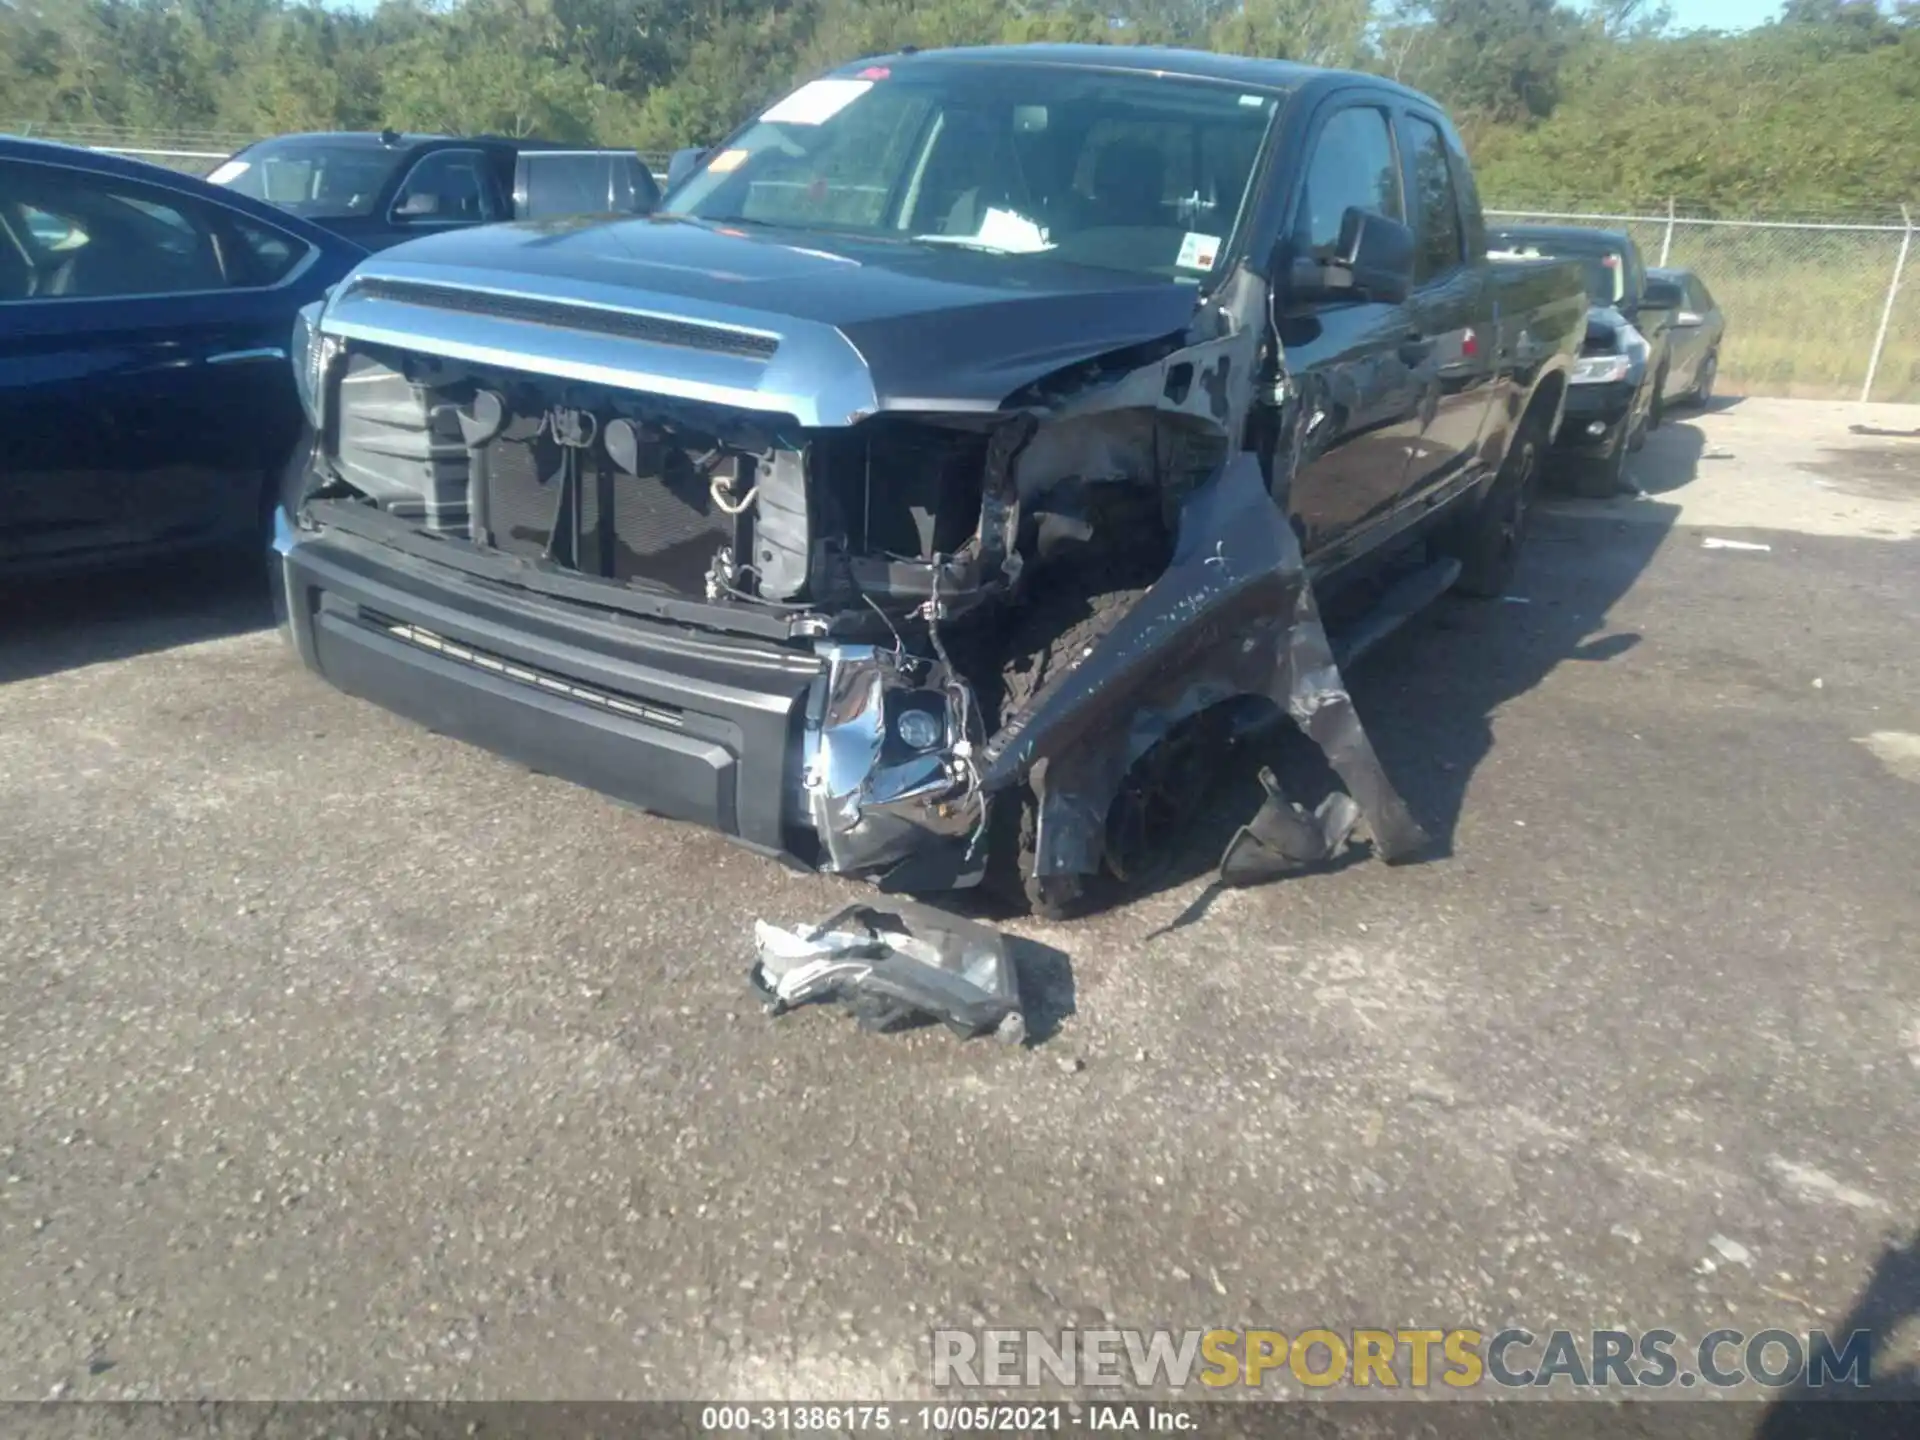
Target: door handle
x: 243, y: 357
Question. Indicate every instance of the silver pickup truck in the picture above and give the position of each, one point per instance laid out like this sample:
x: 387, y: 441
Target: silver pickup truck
x: 951, y: 466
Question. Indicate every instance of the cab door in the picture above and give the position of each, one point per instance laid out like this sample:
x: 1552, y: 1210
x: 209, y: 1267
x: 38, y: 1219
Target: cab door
x: 1450, y: 307
x: 1351, y: 361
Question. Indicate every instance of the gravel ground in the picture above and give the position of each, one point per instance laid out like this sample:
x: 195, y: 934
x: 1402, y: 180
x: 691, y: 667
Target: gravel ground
x: 343, y: 1060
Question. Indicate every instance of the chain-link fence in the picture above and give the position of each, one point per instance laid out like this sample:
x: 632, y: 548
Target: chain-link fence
x: 193, y: 152
x: 1822, y: 308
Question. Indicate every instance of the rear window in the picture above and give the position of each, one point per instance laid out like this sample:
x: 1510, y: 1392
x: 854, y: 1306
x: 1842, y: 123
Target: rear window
x: 1605, y: 269
x: 316, y: 178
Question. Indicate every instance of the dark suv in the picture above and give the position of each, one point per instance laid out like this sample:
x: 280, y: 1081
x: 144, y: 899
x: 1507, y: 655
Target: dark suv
x: 1614, y: 396
x: 381, y: 189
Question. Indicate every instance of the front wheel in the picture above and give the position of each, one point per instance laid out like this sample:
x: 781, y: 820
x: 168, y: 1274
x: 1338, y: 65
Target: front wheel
x: 1606, y: 477
x: 1164, y: 793
x: 1703, y: 385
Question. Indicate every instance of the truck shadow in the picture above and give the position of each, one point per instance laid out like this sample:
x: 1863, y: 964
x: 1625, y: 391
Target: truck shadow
x: 1886, y: 1403
x: 47, y: 626
x: 1430, y: 694
x: 1673, y: 454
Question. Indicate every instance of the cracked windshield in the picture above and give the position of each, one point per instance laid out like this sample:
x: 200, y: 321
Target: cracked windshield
x: 1137, y: 173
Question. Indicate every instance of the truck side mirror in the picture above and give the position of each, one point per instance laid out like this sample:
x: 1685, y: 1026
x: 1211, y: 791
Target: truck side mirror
x: 1372, y: 260
x: 683, y: 164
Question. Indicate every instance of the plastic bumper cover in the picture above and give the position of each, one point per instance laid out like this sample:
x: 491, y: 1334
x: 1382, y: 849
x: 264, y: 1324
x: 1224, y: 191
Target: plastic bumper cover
x: 781, y: 748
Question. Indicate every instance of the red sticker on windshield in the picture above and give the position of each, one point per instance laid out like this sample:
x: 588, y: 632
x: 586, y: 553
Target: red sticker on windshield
x: 874, y: 72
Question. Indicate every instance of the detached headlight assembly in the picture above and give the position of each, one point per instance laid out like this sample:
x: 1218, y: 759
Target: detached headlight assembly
x: 1601, y: 369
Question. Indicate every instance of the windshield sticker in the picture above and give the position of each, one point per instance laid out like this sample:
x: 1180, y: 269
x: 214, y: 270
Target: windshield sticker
x: 1014, y: 233
x: 1253, y: 100
x: 817, y: 102
x: 727, y: 161
x: 1197, y: 251
x: 229, y: 172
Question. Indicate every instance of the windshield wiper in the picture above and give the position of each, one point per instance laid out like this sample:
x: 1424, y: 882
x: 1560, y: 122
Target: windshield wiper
x: 967, y: 242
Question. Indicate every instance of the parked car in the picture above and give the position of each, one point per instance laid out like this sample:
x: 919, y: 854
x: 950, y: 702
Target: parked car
x: 381, y: 189
x: 939, y: 476
x: 1696, y: 327
x: 145, y: 396
x: 1615, y: 396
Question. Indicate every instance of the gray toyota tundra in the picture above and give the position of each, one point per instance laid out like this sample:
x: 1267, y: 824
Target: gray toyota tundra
x: 962, y: 455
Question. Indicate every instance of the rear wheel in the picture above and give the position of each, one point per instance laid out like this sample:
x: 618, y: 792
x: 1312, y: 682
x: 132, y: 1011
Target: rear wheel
x: 1487, y: 540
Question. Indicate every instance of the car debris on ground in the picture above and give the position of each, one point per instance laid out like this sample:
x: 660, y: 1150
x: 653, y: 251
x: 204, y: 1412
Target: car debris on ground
x: 894, y: 966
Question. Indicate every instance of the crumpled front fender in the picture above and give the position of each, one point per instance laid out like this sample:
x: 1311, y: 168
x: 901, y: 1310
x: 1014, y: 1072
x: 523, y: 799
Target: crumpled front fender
x: 1233, y: 615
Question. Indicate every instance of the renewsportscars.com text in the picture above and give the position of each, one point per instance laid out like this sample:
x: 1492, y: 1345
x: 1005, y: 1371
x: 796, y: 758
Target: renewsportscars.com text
x: 1376, y: 1360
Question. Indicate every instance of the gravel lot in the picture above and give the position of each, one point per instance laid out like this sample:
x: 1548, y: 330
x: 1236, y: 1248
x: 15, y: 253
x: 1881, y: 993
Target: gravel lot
x: 343, y: 1060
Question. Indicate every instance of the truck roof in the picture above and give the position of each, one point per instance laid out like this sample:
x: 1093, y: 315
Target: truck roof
x: 1573, y: 236
x: 399, y: 140
x: 1249, y: 71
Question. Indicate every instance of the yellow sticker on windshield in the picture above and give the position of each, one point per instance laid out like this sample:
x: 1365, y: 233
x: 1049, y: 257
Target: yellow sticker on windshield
x: 727, y: 161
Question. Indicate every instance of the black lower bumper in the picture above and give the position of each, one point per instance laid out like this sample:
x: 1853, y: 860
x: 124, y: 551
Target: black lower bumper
x: 696, y: 727
x: 1608, y: 407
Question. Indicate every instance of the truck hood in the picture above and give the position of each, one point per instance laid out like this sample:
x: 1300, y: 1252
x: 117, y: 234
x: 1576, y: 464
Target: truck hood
x: 825, y: 329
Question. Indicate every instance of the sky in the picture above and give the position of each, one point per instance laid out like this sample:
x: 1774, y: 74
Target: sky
x: 1722, y: 14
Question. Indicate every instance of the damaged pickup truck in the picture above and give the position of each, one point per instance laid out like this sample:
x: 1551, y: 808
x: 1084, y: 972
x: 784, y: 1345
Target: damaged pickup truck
x: 943, y: 474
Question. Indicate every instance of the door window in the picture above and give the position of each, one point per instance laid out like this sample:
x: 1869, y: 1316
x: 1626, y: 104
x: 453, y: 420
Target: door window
x: 561, y: 182
x: 447, y: 187
x: 1353, y: 165
x: 1436, y: 204
x: 70, y: 234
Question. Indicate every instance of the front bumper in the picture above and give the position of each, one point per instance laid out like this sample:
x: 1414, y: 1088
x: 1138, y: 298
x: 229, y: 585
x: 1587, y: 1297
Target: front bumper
x: 783, y: 748
x: 1608, y: 406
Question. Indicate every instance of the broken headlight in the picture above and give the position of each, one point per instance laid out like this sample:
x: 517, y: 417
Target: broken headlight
x: 919, y: 729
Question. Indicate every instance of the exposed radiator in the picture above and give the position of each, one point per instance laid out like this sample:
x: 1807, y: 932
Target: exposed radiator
x: 662, y: 528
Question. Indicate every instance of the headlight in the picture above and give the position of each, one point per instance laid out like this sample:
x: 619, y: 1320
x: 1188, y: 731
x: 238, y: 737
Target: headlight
x: 1601, y: 369
x: 311, y: 351
x: 304, y: 351
x: 918, y: 729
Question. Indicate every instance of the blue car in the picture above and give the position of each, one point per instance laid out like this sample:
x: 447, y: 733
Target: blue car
x: 146, y: 402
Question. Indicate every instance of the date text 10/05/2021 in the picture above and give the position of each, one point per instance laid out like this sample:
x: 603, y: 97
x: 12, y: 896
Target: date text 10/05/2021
x: 948, y: 1419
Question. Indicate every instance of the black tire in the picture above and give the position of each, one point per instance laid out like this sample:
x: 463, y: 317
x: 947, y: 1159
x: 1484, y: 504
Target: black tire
x: 1605, y: 477
x: 1487, y: 540
x: 1657, y: 406
x: 1702, y: 394
x: 1060, y: 623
